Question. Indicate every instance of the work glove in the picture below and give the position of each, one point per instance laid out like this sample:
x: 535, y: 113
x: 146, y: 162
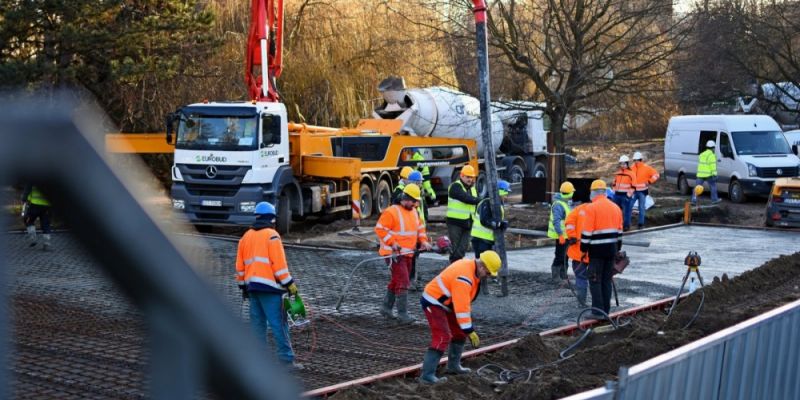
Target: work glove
x: 292, y: 289
x: 562, y: 240
x: 245, y: 295
x: 474, y: 339
x: 572, y: 241
x: 503, y: 225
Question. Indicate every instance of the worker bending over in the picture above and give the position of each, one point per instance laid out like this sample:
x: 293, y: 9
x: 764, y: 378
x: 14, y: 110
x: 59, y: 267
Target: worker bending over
x: 623, y: 190
x: 447, y: 303
x: 645, y: 176
x: 400, y: 230
x: 462, y: 197
x: 263, y: 276
x: 559, y: 210
x: 601, y: 238
x: 484, y: 223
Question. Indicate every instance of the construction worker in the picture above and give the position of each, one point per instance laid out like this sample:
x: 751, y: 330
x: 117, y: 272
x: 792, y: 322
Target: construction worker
x: 707, y: 172
x: 559, y: 210
x: 623, y: 190
x: 400, y: 231
x: 447, y: 305
x: 36, y: 207
x: 462, y: 197
x: 601, y: 238
x: 263, y: 276
x: 484, y: 223
x: 645, y: 176
x: 580, y: 260
x: 397, y: 194
x: 426, y: 177
x: 415, y: 177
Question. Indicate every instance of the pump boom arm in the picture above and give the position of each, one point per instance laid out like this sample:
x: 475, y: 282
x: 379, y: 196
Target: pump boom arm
x: 264, y: 58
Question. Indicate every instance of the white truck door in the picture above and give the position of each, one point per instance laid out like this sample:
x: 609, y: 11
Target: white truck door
x: 726, y: 161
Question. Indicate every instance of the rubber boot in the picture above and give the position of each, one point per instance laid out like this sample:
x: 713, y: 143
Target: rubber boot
x: 46, y: 245
x: 562, y: 271
x: 454, y: 359
x: 581, y: 294
x: 31, y: 235
x: 429, y: 364
x: 388, y: 303
x: 555, y: 273
x: 402, y: 309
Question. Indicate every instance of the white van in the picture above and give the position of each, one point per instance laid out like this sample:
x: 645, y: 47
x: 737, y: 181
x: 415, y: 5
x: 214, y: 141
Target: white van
x: 751, y: 152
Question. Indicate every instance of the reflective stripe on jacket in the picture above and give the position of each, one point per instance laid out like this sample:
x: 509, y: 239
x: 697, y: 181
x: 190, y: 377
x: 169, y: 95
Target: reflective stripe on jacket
x: 556, y: 219
x: 573, y: 225
x: 624, y: 181
x: 36, y: 197
x: 707, y: 164
x: 644, y: 176
x: 261, y: 261
x: 601, y: 228
x: 454, y: 289
x: 458, y: 209
x: 478, y: 230
x: 400, y: 226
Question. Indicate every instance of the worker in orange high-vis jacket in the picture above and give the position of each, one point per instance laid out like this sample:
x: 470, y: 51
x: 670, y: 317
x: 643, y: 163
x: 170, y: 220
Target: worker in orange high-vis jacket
x: 400, y: 230
x: 601, y: 238
x: 580, y: 260
x: 263, y: 276
x: 645, y: 176
x: 447, y: 303
x: 623, y: 190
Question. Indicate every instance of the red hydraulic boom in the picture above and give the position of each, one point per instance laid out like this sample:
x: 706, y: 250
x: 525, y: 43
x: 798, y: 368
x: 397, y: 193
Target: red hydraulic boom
x: 264, y: 50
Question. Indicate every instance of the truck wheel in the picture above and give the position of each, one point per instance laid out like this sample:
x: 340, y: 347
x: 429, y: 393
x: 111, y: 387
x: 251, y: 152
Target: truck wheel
x: 383, y: 197
x: 736, y: 192
x: 284, y: 218
x: 515, y: 174
x: 480, y: 184
x: 683, y: 185
x: 366, y: 201
x: 539, y: 170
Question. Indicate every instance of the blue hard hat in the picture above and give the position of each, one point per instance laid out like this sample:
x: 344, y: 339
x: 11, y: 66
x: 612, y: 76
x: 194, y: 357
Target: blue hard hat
x: 264, y: 208
x: 415, y: 176
x: 504, y: 186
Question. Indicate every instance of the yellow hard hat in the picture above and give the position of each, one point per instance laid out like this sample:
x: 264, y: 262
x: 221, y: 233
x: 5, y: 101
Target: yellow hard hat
x: 412, y: 191
x: 491, y: 260
x: 598, y: 184
x: 567, y: 187
x: 698, y: 190
x: 405, y: 172
x: 468, y: 171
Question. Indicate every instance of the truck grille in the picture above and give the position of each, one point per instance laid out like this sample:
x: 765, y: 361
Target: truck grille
x: 772, y: 172
x: 212, y: 190
x: 223, y: 174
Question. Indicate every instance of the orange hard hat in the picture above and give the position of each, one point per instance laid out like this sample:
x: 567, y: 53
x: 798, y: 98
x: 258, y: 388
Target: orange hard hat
x: 468, y: 171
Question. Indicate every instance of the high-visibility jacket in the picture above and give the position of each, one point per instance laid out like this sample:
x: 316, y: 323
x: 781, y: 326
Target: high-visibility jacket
x: 458, y: 209
x: 601, y: 228
x: 707, y: 164
x: 644, y: 176
x: 426, y: 175
x: 478, y: 229
x: 402, y: 227
x: 624, y: 181
x: 261, y: 262
x: 573, y: 225
x: 454, y: 289
x: 397, y: 194
x: 552, y: 231
x: 37, y: 198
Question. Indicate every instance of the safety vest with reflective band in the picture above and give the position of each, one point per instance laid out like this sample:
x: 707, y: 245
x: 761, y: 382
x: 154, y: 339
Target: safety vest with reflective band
x: 36, y: 197
x: 426, y: 175
x: 707, y: 164
x: 601, y: 227
x: 454, y: 289
x: 478, y: 230
x: 457, y: 209
x: 551, y: 229
x: 261, y: 261
x: 644, y: 176
x: 400, y: 226
x: 573, y: 225
x: 624, y: 181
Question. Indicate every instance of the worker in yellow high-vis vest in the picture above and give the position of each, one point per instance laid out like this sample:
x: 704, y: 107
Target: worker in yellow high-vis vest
x: 36, y: 207
x: 484, y: 223
x: 462, y: 197
x: 707, y: 171
x: 559, y: 210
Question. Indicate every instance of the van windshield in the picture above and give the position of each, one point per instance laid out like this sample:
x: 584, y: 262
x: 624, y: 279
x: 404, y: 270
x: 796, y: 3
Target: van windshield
x: 763, y: 142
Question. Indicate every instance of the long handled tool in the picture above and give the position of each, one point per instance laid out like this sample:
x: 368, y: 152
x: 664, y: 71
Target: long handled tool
x: 357, y: 266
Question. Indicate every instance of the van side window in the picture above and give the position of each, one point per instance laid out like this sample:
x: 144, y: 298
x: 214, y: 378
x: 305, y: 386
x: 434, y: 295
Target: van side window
x: 725, y: 145
x: 705, y: 136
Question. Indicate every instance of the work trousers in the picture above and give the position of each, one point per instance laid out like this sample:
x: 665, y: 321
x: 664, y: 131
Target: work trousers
x: 444, y: 327
x: 625, y: 204
x: 559, y: 258
x: 599, y: 273
x: 579, y: 268
x: 641, y: 197
x: 459, y: 240
x: 267, y: 308
x: 712, y: 183
x: 480, y: 245
x: 42, y: 213
x: 401, y: 270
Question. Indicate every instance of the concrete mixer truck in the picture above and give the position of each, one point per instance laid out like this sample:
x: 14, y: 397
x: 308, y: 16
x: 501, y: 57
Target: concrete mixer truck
x: 519, y: 129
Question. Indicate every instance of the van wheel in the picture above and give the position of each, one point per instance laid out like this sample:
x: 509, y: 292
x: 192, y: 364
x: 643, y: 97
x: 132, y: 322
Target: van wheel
x: 284, y: 218
x: 683, y: 185
x: 366, y: 201
x: 736, y: 192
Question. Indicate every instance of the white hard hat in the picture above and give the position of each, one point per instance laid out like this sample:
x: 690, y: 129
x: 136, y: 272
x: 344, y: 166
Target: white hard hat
x: 624, y: 158
x: 710, y: 143
x: 637, y: 156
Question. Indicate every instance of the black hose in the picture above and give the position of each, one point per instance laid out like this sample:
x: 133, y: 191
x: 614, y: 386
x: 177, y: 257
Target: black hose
x: 699, y: 307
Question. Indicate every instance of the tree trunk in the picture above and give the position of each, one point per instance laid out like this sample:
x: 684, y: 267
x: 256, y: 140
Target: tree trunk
x: 557, y: 173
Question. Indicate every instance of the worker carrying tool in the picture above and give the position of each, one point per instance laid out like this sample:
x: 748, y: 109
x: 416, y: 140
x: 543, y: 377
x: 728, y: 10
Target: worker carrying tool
x: 36, y: 206
x: 623, y: 190
x: 645, y: 176
x: 601, y: 238
x: 397, y: 194
x: 559, y: 210
x: 484, y: 223
x: 263, y: 276
x: 707, y: 171
x: 426, y: 186
x: 447, y: 303
x: 400, y: 229
x: 580, y: 259
x: 462, y: 197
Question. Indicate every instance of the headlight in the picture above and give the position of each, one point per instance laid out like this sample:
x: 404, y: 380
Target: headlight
x: 752, y: 170
x: 247, y: 206
x: 178, y: 204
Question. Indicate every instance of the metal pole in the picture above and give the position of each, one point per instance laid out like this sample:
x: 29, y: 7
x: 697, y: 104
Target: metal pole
x: 486, y: 134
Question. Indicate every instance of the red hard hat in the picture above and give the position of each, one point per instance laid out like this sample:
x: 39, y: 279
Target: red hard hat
x: 443, y: 243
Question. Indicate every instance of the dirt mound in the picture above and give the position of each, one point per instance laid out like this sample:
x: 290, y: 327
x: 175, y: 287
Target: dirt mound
x: 540, y: 374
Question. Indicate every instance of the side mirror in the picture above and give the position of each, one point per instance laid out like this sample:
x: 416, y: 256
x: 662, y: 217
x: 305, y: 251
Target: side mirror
x: 170, y: 121
x: 794, y: 149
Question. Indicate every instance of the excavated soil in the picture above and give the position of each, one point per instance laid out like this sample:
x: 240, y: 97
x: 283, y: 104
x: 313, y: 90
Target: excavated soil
x: 727, y: 302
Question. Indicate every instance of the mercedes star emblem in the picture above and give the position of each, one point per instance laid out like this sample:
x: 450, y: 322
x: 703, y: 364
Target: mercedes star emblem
x: 211, y: 172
